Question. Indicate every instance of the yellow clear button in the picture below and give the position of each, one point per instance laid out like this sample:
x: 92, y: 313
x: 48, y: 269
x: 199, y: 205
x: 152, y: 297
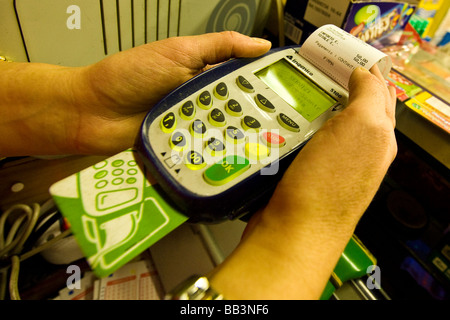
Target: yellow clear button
x: 256, y: 151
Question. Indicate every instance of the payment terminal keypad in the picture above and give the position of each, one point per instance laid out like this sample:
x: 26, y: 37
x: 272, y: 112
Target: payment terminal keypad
x: 238, y: 115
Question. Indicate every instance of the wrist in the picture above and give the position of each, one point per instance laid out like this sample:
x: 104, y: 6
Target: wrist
x: 258, y: 269
x: 36, y: 115
x: 286, y: 252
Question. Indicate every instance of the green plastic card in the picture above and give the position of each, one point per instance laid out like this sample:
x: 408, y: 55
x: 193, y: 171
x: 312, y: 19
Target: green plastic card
x: 114, y: 210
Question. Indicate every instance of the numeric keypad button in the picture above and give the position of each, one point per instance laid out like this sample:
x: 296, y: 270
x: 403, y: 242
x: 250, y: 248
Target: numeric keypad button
x: 250, y: 123
x: 194, y: 160
x: 168, y: 122
x: 204, y: 100
x: 221, y: 91
x: 178, y: 141
x: 216, y: 118
x: 197, y: 128
x: 187, y: 110
x: 233, y: 108
x: 215, y: 147
x: 234, y: 135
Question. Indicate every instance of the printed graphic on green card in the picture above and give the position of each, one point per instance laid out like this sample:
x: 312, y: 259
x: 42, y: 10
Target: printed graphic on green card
x: 114, y: 211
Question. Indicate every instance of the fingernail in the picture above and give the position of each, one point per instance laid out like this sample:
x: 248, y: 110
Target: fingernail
x: 362, y: 69
x: 261, y: 40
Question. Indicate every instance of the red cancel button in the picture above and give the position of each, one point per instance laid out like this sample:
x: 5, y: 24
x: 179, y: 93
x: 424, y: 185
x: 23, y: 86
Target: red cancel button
x: 273, y: 139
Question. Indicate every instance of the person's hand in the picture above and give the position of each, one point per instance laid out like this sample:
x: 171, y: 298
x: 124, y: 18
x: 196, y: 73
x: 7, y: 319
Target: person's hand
x: 342, y: 166
x: 126, y: 85
x: 98, y: 109
x: 290, y: 248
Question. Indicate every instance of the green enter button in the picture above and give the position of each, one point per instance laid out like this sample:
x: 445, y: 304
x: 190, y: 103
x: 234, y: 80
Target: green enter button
x: 226, y: 170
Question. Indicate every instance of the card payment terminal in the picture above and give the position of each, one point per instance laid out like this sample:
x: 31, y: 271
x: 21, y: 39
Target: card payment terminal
x: 218, y: 144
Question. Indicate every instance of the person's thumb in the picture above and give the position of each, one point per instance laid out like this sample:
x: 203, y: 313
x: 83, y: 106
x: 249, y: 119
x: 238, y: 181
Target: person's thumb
x: 219, y: 47
x: 359, y: 80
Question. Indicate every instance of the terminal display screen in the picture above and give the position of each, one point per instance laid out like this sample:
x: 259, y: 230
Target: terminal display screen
x: 296, y: 89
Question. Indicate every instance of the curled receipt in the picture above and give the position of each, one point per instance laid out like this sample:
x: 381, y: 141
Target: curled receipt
x: 337, y: 53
